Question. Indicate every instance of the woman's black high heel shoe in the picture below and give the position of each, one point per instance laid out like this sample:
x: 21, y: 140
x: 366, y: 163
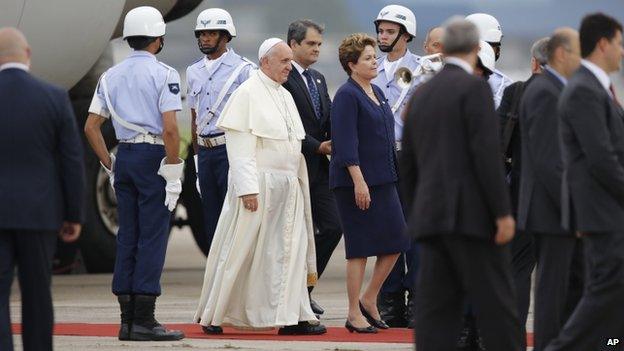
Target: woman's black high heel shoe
x: 368, y: 330
x: 377, y: 323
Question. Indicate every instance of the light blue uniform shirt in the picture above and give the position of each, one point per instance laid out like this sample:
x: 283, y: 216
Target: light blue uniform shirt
x: 391, y: 88
x: 498, y: 82
x: 140, y: 89
x: 204, y: 85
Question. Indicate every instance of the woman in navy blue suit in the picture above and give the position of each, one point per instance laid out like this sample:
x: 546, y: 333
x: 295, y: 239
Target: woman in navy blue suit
x: 363, y: 176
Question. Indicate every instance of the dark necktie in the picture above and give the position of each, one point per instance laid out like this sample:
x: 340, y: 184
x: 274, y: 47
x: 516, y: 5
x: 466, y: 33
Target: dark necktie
x: 615, y: 99
x: 314, y: 94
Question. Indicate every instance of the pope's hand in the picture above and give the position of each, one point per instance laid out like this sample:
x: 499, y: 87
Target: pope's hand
x: 250, y: 202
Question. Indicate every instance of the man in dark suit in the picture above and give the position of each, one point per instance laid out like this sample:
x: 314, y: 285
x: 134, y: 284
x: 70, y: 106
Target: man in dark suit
x: 539, y: 209
x: 592, y: 146
x: 41, y: 187
x: 458, y: 204
x: 522, y: 250
x: 309, y: 90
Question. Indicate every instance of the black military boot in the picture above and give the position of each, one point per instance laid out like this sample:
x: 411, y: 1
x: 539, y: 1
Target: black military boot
x: 145, y: 327
x: 303, y: 328
x: 126, y: 305
x: 468, y: 336
x: 410, y: 316
x: 392, y: 308
x: 480, y: 343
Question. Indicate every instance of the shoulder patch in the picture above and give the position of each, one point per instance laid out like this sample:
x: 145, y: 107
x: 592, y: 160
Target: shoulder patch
x: 174, y: 88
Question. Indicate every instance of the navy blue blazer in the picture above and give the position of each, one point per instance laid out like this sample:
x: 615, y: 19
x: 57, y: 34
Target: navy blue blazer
x: 41, y: 157
x: 362, y: 133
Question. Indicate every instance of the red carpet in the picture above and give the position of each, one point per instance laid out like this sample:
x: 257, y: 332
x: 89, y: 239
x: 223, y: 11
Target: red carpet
x: 193, y: 331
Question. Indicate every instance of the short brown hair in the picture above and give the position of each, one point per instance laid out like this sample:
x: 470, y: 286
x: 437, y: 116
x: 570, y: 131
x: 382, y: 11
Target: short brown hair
x: 352, y: 47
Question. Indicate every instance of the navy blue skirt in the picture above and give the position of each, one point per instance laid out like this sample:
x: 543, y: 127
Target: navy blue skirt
x: 380, y: 230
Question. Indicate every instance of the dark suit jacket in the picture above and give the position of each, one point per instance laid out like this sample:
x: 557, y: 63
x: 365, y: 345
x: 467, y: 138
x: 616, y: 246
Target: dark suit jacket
x: 317, y: 130
x: 42, y: 174
x: 539, y: 206
x: 362, y: 134
x: 450, y: 162
x: 592, y: 136
x: 513, y: 151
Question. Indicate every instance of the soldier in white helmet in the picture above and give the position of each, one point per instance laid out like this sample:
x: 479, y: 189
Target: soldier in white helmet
x: 396, y: 27
x: 491, y: 32
x: 210, y: 82
x: 142, y: 96
x: 486, y: 61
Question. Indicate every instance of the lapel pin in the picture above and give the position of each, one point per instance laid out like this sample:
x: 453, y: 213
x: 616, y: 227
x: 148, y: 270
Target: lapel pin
x: 318, y: 81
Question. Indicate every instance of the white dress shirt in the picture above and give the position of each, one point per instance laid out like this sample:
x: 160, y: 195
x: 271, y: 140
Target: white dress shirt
x: 14, y: 65
x: 600, y: 74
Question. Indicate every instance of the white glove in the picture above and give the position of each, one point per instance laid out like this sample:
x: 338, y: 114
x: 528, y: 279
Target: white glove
x: 197, y: 175
x: 172, y: 173
x: 111, y: 171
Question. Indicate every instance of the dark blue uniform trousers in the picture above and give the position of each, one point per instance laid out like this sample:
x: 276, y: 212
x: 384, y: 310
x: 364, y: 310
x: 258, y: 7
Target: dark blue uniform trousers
x: 32, y: 251
x: 213, y: 173
x: 403, y: 275
x: 143, y: 219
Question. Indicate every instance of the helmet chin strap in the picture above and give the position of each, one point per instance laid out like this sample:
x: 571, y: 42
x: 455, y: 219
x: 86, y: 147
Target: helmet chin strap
x: 209, y: 50
x: 162, y: 43
x: 389, y: 48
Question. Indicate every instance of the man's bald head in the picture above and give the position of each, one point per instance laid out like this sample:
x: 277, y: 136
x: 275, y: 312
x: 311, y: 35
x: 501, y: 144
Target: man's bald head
x: 13, y: 46
x: 432, y: 44
x: 564, y: 51
x: 276, y: 63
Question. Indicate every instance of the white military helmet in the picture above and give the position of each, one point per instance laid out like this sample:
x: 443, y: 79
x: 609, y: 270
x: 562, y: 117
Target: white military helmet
x: 144, y: 21
x: 489, y: 28
x: 400, y: 15
x: 215, y: 19
x: 487, y: 56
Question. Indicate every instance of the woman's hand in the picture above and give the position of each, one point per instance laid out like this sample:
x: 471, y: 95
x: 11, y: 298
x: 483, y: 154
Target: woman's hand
x: 250, y: 202
x: 362, y: 195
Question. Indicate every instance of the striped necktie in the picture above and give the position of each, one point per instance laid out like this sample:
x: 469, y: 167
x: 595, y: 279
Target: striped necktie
x: 314, y: 94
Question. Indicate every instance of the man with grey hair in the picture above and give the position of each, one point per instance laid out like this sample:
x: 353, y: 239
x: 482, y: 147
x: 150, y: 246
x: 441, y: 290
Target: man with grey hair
x: 451, y: 159
x: 309, y: 90
x: 539, y: 55
x: 262, y: 258
x: 42, y: 185
x: 559, y: 275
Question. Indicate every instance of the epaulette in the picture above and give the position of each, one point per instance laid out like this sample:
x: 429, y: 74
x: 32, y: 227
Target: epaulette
x: 503, y: 75
x: 167, y: 66
x: 196, y: 61
x: 247, y: 60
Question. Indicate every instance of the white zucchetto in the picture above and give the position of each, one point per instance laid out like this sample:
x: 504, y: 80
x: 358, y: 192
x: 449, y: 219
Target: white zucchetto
x: 266, y: 46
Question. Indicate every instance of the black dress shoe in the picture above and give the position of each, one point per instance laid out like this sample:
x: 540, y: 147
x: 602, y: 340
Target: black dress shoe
x: 212, y: 329
x: 367, y: 330
x: 318, y: 310
x: 303, y: 328
x: 377, y: 323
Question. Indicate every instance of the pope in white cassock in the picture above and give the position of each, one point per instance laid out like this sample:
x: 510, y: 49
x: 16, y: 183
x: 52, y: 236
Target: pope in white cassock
x: 262, y: 257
